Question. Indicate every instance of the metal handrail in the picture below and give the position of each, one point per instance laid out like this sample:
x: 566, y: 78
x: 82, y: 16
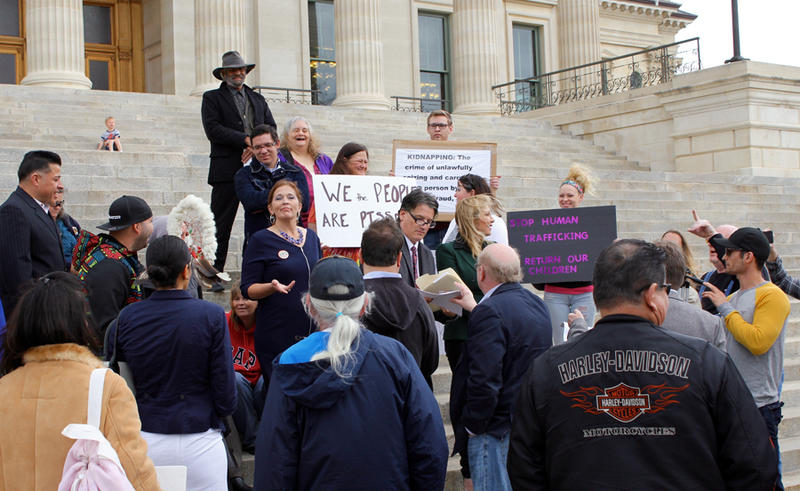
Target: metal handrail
x: 290, y: 91
x: 641, y: 68
x: 442, y: 103
x: 601, y: 62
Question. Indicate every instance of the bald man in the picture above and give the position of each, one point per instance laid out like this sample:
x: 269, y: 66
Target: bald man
x: 506, y: 331
x: 718, y: 277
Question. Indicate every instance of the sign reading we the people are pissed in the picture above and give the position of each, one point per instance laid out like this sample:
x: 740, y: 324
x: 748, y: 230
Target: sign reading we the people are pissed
x: 346, y: 205
x: 561, y: 244
x: 437, y: 165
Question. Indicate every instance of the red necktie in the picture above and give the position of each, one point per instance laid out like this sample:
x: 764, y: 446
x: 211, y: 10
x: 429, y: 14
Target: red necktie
x: 414, y: 261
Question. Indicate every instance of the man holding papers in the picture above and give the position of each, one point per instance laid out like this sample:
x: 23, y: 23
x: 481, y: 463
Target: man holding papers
x: 506, y: 331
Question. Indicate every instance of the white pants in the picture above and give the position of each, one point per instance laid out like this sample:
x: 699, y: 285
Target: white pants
x: 203, y: 454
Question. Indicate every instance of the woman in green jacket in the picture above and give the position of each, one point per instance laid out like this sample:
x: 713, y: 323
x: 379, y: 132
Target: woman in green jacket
x: 474, y: 219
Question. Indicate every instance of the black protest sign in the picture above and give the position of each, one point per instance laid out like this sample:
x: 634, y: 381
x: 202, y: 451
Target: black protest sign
x: 561, y: 244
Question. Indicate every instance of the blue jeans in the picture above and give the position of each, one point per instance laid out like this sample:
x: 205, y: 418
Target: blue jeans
x: 248, y: 409
x: 561, y: 304
x: 487, y: 462
x: 772, y: 417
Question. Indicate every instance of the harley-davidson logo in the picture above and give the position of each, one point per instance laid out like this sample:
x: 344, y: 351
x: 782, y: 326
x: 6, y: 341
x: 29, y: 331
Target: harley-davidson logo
x: 623, y: 402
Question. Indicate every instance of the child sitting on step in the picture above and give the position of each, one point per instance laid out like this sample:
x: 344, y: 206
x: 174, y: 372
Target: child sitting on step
x: 109, y: 140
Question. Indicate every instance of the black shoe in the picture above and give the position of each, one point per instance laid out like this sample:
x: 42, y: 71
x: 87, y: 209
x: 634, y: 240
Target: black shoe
x: 238, y: 484
x: 216, y: 288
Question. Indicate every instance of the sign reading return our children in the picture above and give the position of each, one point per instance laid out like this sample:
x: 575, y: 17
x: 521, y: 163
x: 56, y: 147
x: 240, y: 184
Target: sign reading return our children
x: 437, y: 165
x: 346, y: 205
x: 561, y: 244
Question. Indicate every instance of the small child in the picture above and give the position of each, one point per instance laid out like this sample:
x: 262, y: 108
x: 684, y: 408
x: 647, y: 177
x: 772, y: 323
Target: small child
x: 109, y: 140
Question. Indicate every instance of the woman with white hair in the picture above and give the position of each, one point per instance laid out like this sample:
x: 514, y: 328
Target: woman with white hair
x: 300, y: 147
x: 347, y: 408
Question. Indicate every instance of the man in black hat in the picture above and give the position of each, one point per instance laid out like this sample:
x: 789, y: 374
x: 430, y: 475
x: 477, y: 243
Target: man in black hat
x: 108, y: 264
x: 756, y: 317
x: 229, y: 115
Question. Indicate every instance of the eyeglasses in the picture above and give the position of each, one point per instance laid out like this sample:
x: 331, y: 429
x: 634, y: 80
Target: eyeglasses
x: 441, y: 126
x: 666, y: 286
x: 421, y: 221
x: 266, y: 145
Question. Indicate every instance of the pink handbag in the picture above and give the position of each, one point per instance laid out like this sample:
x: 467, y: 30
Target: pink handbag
x: 92, y: 463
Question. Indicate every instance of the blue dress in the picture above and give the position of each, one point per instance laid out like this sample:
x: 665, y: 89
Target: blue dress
x: 281, y: 320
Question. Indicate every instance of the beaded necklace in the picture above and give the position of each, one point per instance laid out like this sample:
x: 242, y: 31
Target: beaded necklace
x: 291, y: 239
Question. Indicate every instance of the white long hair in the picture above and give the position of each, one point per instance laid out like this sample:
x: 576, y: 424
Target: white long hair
x: 342, y: 317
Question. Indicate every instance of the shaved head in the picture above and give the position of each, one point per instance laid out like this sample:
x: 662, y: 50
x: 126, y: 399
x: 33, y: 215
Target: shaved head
x: 727, y: 230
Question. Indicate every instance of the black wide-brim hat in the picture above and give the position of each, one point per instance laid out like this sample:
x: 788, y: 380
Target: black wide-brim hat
x: 232, y: 59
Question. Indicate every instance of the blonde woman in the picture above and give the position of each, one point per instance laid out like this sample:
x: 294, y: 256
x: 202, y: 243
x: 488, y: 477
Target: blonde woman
x: 566, y: 297
x: 473, y: 185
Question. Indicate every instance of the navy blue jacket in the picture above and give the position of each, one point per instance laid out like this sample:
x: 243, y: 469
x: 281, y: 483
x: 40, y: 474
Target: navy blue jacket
x: 380, y: 429
x: 505, y: 333
x: 225, y: 130
x: 179, y: 351
x: 254, y: 182
x: 29, y: 245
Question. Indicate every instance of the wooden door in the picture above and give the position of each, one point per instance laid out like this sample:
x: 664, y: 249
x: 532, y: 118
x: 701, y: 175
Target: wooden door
x: 113, y: 44
x: 12, y: 41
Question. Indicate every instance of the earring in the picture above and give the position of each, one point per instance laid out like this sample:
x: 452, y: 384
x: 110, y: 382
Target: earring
x: 271, y: 219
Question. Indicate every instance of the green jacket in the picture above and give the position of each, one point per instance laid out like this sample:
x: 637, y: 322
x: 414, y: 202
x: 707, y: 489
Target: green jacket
x: 457, y: 255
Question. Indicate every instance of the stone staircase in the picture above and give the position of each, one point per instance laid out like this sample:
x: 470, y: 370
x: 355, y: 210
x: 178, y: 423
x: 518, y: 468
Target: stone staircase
x: 166, y: 157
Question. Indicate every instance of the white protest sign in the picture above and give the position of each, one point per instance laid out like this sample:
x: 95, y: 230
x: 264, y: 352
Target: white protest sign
x: 346, y: 205
x: 436, y: 166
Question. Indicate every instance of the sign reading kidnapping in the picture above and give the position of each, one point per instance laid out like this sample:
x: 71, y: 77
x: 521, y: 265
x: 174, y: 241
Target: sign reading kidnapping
x: 346, y: 205
x: 561, y: 244
x: 437, y: 165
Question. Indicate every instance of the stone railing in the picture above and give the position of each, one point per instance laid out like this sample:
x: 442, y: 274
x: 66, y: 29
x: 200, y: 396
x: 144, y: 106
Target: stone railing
x: 644, y: 68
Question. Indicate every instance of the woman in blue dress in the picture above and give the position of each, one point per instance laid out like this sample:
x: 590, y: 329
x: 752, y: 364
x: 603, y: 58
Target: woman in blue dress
x: 275, y: 271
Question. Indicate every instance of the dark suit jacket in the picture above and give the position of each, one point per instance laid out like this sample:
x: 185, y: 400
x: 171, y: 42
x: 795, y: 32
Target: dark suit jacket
x: 427, y: 264
x: 29, y: 245
x: 226, y: 132
x: 506, y: 332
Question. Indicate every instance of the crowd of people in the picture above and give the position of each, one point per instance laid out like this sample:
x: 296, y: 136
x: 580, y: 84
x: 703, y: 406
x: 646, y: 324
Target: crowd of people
x: 323, y: 367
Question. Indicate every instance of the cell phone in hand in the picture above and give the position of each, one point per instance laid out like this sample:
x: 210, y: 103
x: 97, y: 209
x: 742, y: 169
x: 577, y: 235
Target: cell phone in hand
x: 770, y: 236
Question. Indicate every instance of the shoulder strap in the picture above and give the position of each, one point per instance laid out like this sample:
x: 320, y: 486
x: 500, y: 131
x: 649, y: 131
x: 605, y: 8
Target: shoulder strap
x: 95, y: 407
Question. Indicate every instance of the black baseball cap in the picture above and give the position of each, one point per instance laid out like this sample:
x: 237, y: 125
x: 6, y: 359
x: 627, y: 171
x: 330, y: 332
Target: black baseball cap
x: 126, y: 211
x: 748, y: 239
x: 336, y: 278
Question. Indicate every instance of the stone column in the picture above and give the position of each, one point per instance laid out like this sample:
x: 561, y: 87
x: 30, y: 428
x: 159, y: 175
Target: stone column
x: 475, y: 56
x: 578, y: 32
x: 219, y: 26
x: 54, y: 37
x: 359, y: 55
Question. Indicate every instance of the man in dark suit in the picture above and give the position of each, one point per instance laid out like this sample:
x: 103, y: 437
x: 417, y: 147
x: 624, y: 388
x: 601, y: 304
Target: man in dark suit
x: 506, y: 331
x: 229, y: 115
x: 29, y: 243
x: 397, y: 310
x: 417, y: 214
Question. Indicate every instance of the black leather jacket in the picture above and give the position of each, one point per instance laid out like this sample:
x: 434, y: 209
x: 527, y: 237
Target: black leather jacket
x: 629, y: 405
